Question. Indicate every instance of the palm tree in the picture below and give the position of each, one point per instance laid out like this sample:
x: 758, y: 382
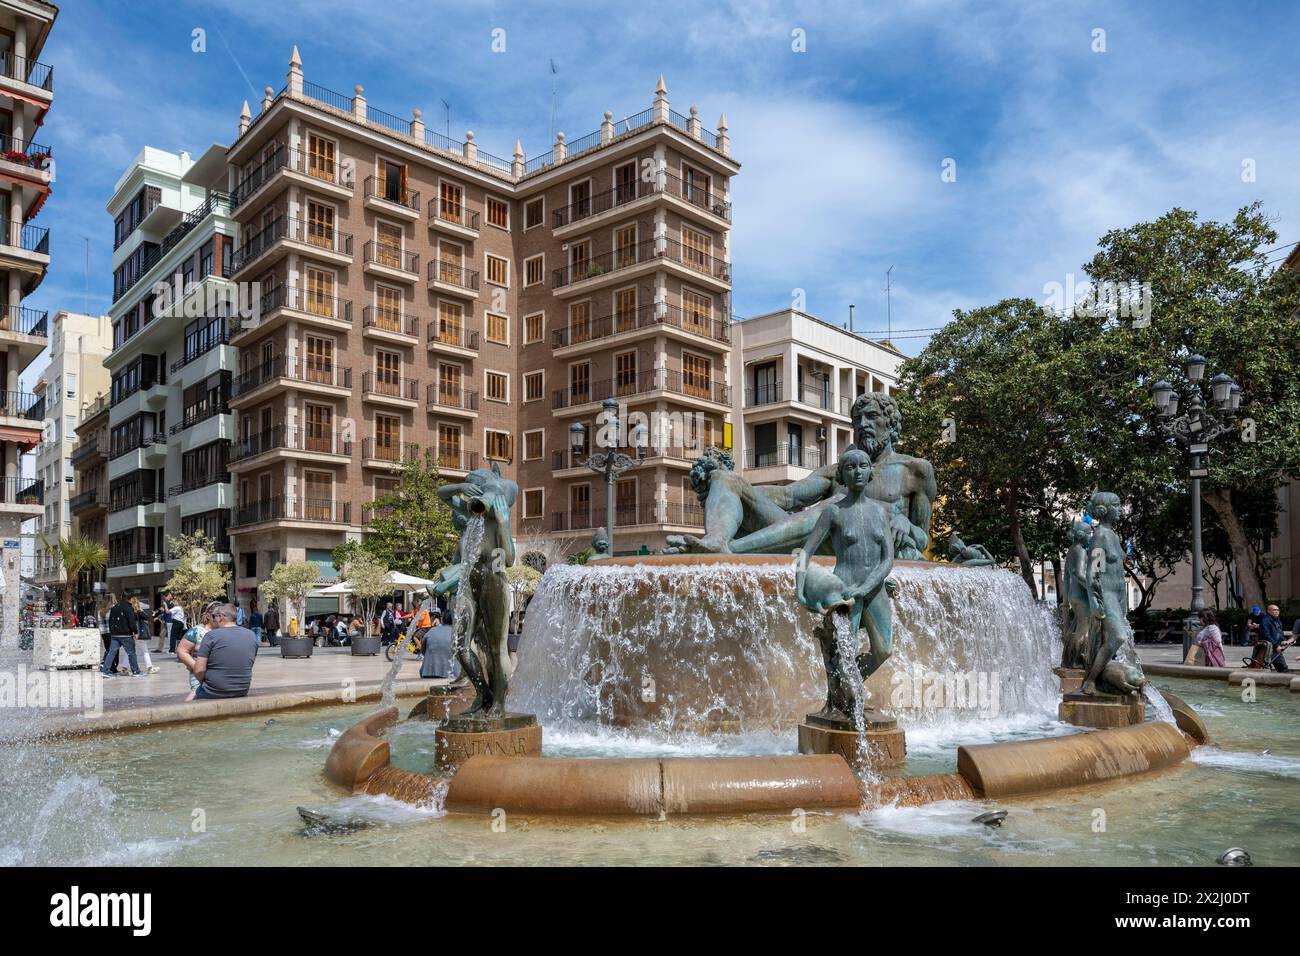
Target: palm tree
x: 77, y: 555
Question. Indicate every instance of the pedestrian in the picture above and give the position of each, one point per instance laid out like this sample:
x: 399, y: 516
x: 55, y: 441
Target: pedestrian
x: 255, y: 620
x: 223, y: 663
x: 103, y: 622
x: 1211, y: 639
x: 341, y: 632
x: 1270, y: 629
x: 142, y: 634
x: 388, y: 623
x: 239, y: 614
x: 176, y: 622
x: 190, y: 643
x: 121, y: 631
x: 271, y: 624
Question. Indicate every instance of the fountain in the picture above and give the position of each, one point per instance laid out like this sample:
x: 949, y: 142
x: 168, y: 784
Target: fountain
x: 735, y: 673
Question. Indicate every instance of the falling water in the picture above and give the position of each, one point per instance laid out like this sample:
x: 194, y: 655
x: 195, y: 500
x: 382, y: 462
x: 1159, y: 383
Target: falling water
x: 1157, y: 705
x: 700, y: 646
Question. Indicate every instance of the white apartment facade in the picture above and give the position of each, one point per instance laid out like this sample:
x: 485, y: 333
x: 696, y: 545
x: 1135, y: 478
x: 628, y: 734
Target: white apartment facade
x: 795, y: 378
x: 74, y: 376
x: 169, y: 421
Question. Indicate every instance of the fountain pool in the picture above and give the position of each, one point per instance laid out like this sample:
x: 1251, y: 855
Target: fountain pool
x: 137, y: 798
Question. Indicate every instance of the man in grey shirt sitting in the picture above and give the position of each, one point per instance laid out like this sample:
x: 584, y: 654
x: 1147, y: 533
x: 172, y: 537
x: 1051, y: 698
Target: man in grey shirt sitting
x: 223, y: 663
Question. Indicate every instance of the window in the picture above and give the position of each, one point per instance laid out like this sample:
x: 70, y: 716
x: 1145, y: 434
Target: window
x: 320, y: 157
x: 579, y: 322
x: 579, y: 259
x: 320, y: 225
x: 392, y: 182
x: 320, y: 360
x: 697, y: 310
x: 451, y: 323
x: 498, y: 270
x: 497, y: 328
x: 533, y: 442
x: 534, y: 327
x: 449, y: 452
x: 534, y: 212
x: 580, y: 504
x: 625, y: 373
x: 320, y: 292
x: 498, y: 213
x: 388, y: 245
x: 580, y: 383
x: 496, y: 445
x: 449, y: 384
x: 206, y: 252
x: 388, y: 438
x: 625, y: 246
x: 451, y: 203
x: 534, y: 384
x: 695, y: 186
x: 532, y: 502
x: 496, y: 385
x: 388, y: 308
x: 697, y: 375
x: 580, y: 200
x: 625, y: 183
x: 696, y: 247
x: 319, y: 427
x: 535, y: 270
x: 625, y: 309
x: 318, y: 505
x: 388, y: 372
x: 449, y: 259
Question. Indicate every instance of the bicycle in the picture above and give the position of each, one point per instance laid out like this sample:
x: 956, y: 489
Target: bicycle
x: 409, y: 646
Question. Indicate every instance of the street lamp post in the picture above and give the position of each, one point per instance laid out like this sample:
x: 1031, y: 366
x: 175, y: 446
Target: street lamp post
x: 1195, y: 429
x: 611, y: 462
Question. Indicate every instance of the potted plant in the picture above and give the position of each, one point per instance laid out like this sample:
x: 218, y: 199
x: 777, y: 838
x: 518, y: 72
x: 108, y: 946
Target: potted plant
x: 292, y: 581
x: 367, y: 575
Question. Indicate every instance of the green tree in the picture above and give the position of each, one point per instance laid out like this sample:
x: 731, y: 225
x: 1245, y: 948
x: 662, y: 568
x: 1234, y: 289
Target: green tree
x: 291, y: 581
x: 1214, y: 291
x: 197, y: 578
x: 410, y: 529
x: 368, y: 577
x: 78, y: 555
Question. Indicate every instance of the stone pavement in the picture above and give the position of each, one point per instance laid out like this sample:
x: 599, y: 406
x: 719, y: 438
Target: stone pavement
x: 326, y: 669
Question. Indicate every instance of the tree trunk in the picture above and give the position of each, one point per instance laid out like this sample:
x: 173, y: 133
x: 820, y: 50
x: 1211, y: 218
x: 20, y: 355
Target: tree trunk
x: 1056, y: 578
x: 1252, y: 587
x: 1022, y: 552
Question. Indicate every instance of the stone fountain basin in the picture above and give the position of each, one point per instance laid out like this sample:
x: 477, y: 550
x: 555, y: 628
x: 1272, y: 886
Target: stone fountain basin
x: 778, y: 784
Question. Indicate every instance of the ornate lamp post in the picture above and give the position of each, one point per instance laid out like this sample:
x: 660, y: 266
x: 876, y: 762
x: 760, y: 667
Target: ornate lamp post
x: 611, y: 462
x: 1195, y: 429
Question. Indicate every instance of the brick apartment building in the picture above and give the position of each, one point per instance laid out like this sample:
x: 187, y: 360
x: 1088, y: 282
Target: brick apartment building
x: 418, y: 293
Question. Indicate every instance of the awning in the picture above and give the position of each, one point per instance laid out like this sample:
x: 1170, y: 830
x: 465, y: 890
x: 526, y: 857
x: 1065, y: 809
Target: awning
x: 22, y: 436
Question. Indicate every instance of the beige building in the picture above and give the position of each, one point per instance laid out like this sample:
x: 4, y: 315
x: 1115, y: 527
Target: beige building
x: 26, y: 170
x: 796, y: 378
x: 89, y: 503
x: 78, y: 346
x: 418, y: 294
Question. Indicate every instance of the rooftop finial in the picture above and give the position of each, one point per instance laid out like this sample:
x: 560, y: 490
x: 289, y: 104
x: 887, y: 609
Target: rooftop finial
x: 245, y: 113
x: 294, y: 58
x: 660, y: 88
x: 519, y: 148
x: 722, y: 121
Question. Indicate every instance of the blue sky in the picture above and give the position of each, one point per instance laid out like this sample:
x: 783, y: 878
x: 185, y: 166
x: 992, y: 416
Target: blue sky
x: 842, y: 146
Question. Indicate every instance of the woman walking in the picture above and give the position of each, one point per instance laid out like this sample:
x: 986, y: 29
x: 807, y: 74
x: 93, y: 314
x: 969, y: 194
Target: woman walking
x: 143, y: 635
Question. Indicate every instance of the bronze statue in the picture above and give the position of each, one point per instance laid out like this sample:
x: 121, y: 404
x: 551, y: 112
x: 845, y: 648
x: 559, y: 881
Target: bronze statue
x: 773, y: 519
x: 482, y: 606
x: 600, y: 543
x: 968, y: 555
x: 1074, y: 632
x: 859, y: 588
x: 1107, y: 600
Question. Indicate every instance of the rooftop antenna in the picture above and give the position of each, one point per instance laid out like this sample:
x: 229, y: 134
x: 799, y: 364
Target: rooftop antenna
x: 86, y: 295
x: 554, y: 74
x: 447, y: 106
x: 889, y: 314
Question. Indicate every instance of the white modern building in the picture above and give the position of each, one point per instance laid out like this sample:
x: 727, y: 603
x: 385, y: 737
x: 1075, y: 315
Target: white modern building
x: 75, y: 374
x: 794, y: 378
x: 169, y: 420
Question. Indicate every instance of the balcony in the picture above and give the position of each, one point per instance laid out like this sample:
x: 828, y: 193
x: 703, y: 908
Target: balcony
x: 292, y: 508
x: 563, y: 459
x: 24, y: 405
x: 585, y: 274
x: 197, y: 345
x: 404, y: 393
x: 454, y: 459
x: 456, y: 220
x: 645, y: 383
x: 144, y: 561
x: 390, y: 325
x: 684, y: 514
x: 657, y: 317
x: 453, y: 277
x: 313, y: 238
x: 390, y: 262
x: 296, y: 441
x: 764, y: 395
x: 126, y: 499
x: 385, y: 453
x: 317, y: 376
x: 27, y: 242
x: 625, y: 516
x: 216, y: 202
x: 21, y: 71
x: 99, y: 405
x: 455, y: 339
x: 389, y: 197
x: 664, y: 184
x: 87, y: 450
x: 32, y: 160
x: 202, y: 414
x: 455, y: 400
x: 311, y: 306
x: 784, y: 455
x: 283, y: 165
x: 22, y: 492
x: 195, y: 482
